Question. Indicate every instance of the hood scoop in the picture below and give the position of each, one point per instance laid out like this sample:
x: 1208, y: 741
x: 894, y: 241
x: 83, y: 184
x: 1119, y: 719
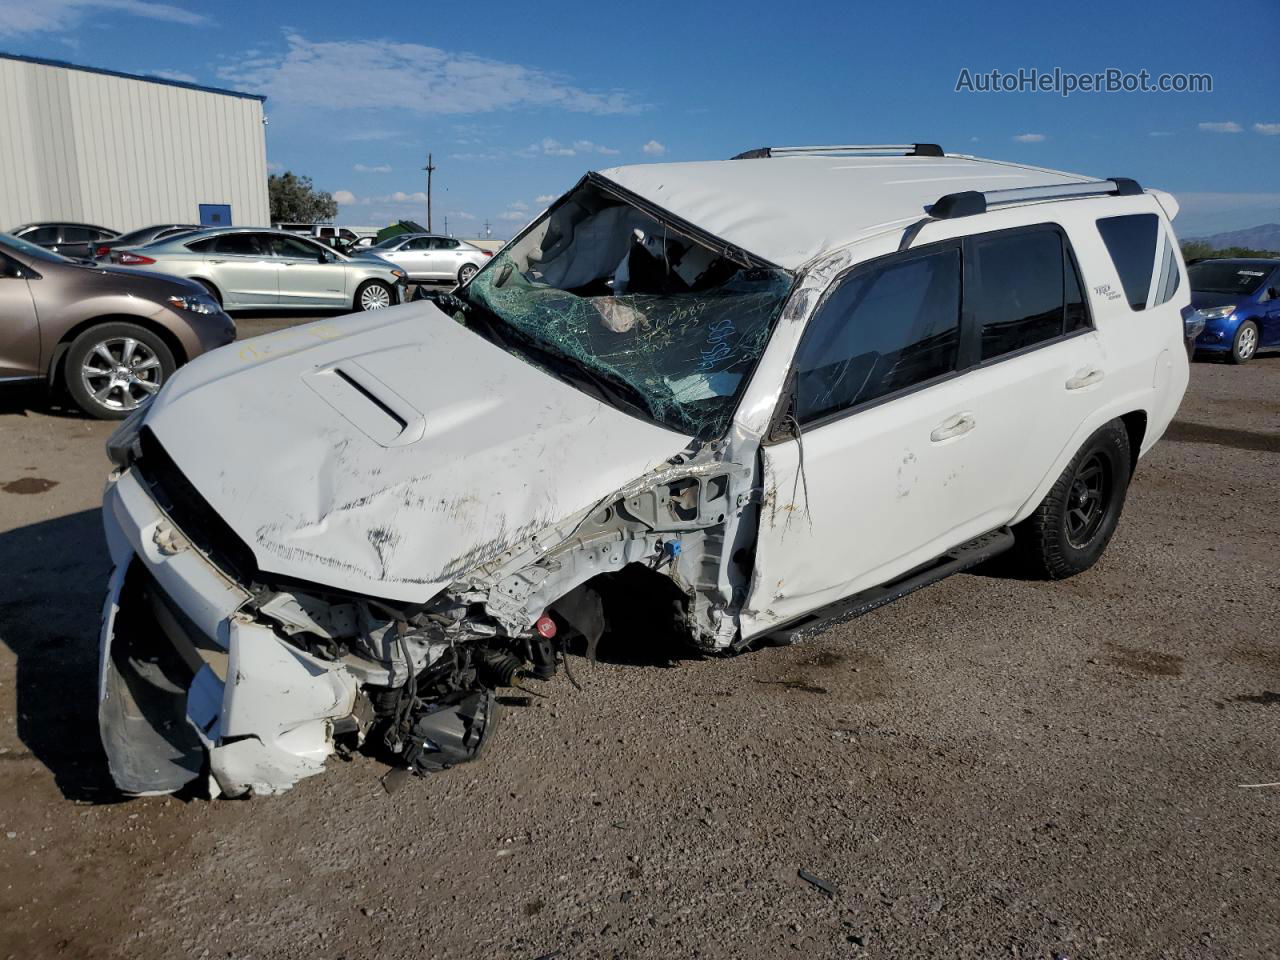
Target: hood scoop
x: 367, y: 403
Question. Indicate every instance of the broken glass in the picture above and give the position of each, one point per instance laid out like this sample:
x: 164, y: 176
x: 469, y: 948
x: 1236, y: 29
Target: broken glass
x: 632, y: 311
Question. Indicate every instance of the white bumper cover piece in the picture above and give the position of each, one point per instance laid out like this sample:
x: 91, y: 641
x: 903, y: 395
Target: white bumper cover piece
x: 187, y: 686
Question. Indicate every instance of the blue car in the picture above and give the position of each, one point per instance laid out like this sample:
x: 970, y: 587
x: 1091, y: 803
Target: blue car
x: 1240, y: 303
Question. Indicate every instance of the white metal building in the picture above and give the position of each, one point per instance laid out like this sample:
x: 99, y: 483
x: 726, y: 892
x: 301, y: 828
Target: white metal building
x: 121, y: 151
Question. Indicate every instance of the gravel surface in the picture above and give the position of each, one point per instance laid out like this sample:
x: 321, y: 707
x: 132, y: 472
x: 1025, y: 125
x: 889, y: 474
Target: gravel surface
x: 988, y: 768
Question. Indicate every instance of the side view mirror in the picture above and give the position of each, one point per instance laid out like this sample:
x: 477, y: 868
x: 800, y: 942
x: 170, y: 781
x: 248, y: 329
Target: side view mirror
x: 1274, y: 293
x: 322, y: 257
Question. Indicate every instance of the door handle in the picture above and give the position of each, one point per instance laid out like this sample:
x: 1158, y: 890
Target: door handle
x: 956, y: 426
x: 1085, y: 378
x: 217, y: 261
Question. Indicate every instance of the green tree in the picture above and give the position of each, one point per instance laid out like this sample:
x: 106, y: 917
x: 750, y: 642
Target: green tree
x: 294, y: 200
x: 1199, y: 250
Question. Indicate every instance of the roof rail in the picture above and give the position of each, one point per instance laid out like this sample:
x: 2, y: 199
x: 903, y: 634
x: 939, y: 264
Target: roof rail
x: 971, y: 202
x: 907, y: 149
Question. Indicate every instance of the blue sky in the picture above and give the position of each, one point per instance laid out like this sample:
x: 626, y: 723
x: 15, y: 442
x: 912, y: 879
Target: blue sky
x: 516, y: 100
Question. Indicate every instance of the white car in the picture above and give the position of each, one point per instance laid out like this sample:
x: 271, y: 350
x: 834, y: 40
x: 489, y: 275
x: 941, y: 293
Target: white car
x: 425, y: 256
x: 763, y: 393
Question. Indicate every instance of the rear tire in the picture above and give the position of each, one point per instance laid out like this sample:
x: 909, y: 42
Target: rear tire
x: 113, y: 368
x: 1245, y: 343
x: 374, y: 295
x: 1073, y: 524
x: 467, y: 271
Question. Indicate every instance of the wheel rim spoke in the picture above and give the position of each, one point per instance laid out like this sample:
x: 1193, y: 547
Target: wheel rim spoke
x: 102, y: 351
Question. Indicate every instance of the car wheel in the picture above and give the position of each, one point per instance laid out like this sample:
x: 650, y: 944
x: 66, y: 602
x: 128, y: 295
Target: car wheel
x: 1073, y: 524
x: 213, y: 291
x: 1245, y: 344
x: 468, y: 271
x: 114, y: 368
x: 374, y: 295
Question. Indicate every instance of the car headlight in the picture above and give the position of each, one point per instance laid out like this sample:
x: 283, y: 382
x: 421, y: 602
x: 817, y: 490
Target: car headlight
x: 1218, y: 313
x: 122, y: 445
x: 399, y: 274
x: 196, y: 303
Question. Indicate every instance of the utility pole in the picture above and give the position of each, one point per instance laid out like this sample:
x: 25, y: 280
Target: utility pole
x: 430, y: 168
x: 487, y: 231
x: 446, y: 225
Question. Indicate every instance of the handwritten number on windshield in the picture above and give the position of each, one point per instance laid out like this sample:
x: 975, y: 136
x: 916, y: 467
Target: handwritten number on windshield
x: 718, y: 336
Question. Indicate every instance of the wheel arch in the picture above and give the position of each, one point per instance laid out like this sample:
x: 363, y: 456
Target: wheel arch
x: 57, y: 373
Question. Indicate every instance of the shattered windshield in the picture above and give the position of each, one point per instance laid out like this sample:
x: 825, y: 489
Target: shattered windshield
x: 617, y: 303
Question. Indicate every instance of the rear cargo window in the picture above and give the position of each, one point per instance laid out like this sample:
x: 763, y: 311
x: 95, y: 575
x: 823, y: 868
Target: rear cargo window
x: 1131, y: 240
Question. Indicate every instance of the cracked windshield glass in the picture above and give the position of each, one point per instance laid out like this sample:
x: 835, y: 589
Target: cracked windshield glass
x: 613, y: 301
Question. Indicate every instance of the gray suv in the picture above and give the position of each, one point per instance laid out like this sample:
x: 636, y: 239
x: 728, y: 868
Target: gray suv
x: 248, y: 268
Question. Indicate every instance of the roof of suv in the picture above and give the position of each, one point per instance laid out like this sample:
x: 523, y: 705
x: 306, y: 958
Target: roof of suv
x: 790, y: 209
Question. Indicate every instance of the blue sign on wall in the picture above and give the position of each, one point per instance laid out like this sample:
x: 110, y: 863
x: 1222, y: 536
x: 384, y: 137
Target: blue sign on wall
x: 215, y: 214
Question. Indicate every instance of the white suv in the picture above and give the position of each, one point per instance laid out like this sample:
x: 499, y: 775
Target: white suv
x: 761, y: 393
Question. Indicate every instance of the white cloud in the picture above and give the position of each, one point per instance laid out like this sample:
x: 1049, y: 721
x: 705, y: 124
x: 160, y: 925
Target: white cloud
x: 1160, y: 133
x: 1030, y: 138
x: 1267, y: 129
x: 544, y: 198
x: 46, y: 16
x: 519, y: 205
x: 550, y: 147
x: 347, y: 197
x: 513, y: 215
x: 461, y: 215
x: 375, y: 168
x: 353, y: 74
x: 475, y: 157
x: 1224, y: 126
x: 172, y: 75
x: 365, y: 136
x: 654, y: 149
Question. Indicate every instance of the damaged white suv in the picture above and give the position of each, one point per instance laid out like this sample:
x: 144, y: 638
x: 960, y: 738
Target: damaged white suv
x: 763, y: 393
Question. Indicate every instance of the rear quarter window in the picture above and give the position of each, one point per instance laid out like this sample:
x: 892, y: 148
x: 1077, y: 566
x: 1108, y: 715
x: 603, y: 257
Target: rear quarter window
x: 1134, y: 242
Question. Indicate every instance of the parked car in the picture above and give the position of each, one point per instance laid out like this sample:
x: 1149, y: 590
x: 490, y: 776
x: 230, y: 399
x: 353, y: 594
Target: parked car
x: 737, y: 399
x: 74, y: 240
x: 250, y: 268
x: 426, y: 256
x: 144, y: 235
x: 111, y: 337
x: 339, y: 238
x: 1240, y: 303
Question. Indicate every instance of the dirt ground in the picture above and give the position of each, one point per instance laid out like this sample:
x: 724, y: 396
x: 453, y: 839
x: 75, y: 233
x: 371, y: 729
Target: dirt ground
x: 988, y: 768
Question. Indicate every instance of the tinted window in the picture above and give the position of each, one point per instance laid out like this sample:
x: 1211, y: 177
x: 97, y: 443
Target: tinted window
x: 1241, y: 277
x: 1131, y: 241
x: 203, y: 246
x: 883, y: 329
x: 43, y: 236
x: 293, y: 248
x: 1020, y: 296
x: 78, y: 234
x: 445, y: 243
x: 240, y: 244
x: 421, y: 243
x: 1077, y: 315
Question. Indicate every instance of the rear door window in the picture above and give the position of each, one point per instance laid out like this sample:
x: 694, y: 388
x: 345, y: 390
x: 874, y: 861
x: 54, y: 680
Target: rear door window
x: 44, y: 236
x: 240, y: 245
x: 1025, y: 291
x: 882, y: 330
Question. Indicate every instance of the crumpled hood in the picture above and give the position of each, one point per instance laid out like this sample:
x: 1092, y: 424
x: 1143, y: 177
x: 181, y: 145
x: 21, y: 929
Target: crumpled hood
x: 390, y: 453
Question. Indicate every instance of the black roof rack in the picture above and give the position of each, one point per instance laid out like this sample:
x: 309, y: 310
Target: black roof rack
x: 906, y: 149
x: 971, y: 202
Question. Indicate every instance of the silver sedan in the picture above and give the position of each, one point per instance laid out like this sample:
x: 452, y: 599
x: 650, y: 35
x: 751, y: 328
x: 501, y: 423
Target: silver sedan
x: 248, y: 268
x: 426, y: 256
